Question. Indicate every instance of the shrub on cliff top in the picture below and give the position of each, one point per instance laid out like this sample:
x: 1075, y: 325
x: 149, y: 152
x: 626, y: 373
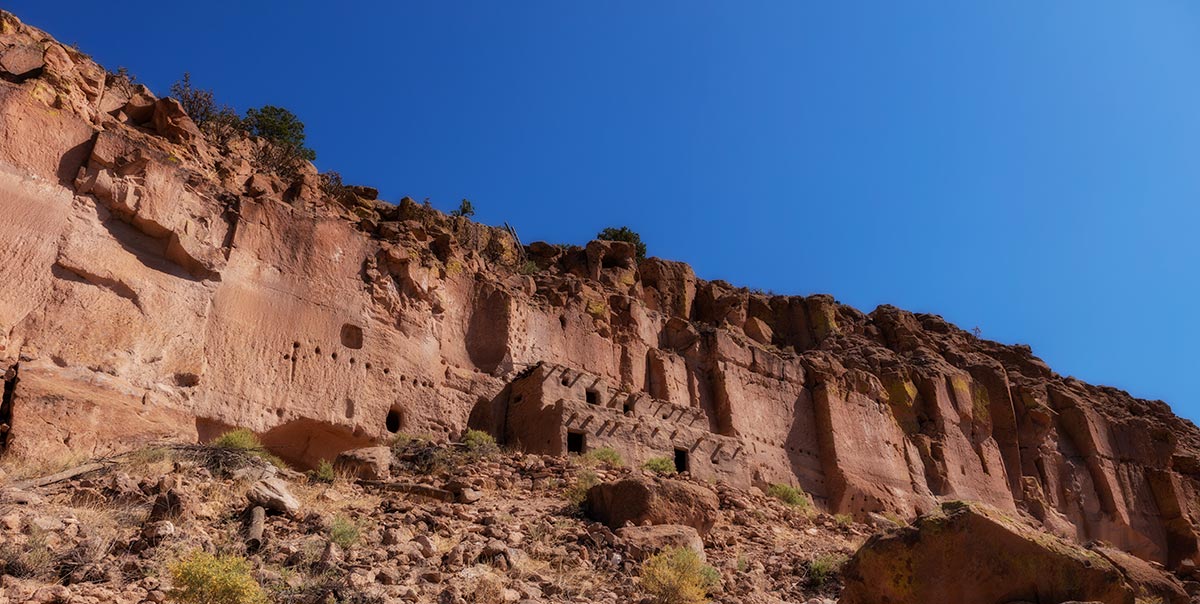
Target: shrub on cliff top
x: 677, y: 576
x: 202, y: 578
x: 627, y: 235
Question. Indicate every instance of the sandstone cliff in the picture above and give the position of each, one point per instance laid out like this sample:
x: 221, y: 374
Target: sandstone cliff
x: 154, y: 285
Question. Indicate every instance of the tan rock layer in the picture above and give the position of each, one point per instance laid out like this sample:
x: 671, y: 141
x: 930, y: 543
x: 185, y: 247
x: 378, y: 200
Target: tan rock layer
x: 154, y: 284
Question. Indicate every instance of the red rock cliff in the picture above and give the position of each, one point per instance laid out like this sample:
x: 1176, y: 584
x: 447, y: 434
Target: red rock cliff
x: 154, y: 285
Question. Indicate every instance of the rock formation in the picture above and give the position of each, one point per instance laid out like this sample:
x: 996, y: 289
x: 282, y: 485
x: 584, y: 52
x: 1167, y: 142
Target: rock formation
x: 154, y: 285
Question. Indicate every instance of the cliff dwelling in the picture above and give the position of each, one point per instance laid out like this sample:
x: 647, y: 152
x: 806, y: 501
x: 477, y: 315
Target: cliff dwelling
x: 555, y: 410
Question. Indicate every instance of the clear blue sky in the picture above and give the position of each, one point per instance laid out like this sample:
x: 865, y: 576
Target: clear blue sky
x: 1028, y: 167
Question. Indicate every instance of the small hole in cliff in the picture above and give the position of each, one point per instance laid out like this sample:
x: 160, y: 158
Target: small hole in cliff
x: 186, y: 380
x: 368, y: 365
x: 318, y: 350
x: 386, y: 371
x: 334, y: 355
x: 350, y: 409
x: 562, y: 321
x: 393, y: 421
x: 287, y: 356
x: 593, y: 397
x: 352, y: 336
x: 566, y: 381
x: 279, y: 413
x: 351, y: 360
x: 295, y: 344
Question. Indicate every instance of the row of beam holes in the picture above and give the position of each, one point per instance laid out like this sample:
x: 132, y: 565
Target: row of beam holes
x: 334, y: 355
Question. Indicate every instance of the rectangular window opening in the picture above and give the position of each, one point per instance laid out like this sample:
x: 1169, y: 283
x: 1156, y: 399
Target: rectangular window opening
x: 681, y: 460
x: 576, y: 442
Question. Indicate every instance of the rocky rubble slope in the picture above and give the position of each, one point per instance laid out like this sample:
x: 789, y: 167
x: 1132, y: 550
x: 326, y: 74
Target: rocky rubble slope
x: 155, y: 284
x: 435, y: 525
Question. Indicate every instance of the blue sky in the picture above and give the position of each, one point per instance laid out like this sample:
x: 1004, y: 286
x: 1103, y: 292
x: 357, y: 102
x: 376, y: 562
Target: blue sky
x: 1030, y: 168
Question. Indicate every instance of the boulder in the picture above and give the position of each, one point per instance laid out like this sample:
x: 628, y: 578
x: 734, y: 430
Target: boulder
x: 171, y: 121
x: 642, y: 501
x: 20, y: 62
x: 972, y: 553
x: 273, y: 495
x: 645, y: 541
x: 368, y: 463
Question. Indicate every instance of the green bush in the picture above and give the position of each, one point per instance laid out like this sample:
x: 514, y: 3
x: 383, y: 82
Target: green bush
x: 239, y: 439
x: 606, y: 455
x: 343, y: 531
x: 660, y: 465
x: 242, y: 440
x: 202, y: 578
x: 324, y: 472
x: 823, y: 567
x: 677, y: 576
x: 529, y: 267
x: 577, y: 493
x: 790, y: 495
x: 624, y: 234
x: 479, y: 443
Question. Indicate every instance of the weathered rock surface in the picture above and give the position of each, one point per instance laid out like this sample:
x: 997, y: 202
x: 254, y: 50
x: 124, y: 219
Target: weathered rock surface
x: 973, y: 553
x: 645, y: 541
x: 641, y: 501
x: 329, y: 321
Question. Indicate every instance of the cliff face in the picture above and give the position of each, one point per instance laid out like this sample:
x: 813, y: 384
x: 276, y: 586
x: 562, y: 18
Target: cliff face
x: 154, y: 285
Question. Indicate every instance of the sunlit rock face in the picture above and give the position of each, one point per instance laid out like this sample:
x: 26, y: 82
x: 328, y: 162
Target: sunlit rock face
x: 154, y: 284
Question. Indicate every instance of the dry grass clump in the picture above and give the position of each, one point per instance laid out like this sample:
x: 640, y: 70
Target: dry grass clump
x: 30, y: 560
x: 204, y: 578
x: 677, y: 576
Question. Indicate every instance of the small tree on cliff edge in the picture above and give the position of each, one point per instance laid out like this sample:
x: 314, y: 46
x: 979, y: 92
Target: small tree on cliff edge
x: 465, y: 209
x: 285, y: 131
x: 627, y: 235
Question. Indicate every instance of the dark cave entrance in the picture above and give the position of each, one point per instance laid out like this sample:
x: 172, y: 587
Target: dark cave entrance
x: 681, y: 460
x: 6, y: 405
x: 576, y: 442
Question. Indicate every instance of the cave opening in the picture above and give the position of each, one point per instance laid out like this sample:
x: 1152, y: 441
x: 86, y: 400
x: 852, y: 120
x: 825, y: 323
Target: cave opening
x: 394, y: 420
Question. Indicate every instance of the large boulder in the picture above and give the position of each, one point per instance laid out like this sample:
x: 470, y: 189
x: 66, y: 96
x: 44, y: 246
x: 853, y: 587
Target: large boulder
x: 641, y: 501
x: 171, y: 121
x: 367, y: 463
x: 973, y: 553
x: 273, y: 494
x: 20, y: 62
